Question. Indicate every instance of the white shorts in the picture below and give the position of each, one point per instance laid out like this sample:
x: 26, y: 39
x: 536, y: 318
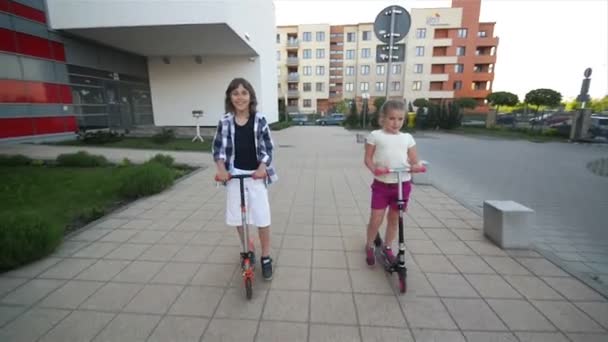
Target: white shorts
x: 256, y: 200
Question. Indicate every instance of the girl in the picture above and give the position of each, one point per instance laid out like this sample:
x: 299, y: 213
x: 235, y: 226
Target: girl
x: 388, y: 148
x: 242, y: 144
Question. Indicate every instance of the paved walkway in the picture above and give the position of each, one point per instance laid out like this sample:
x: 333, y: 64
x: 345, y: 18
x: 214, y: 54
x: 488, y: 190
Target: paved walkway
x: 165, y: 269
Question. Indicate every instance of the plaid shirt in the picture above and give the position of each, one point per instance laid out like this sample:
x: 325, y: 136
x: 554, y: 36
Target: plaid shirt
x: 223, y: 143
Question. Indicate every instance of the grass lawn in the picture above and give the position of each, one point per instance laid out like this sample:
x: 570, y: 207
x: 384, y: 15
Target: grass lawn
x: 177, y: 144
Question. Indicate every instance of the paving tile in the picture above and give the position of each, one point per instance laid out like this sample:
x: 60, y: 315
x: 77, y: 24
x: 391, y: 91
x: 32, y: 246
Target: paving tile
x: 297, y: 242
x: 8, y: 313
x: 434, y: 263
x: 473, y: 314
x: 542, y: 267
x: 492, y: 286
x: 235, y: 305
x: 96, y: 250
x: 426, y: 335
x: 332, y: 308
x: 598, y: 311
x: 370, y: 281
x: 485, y: 247
x: 119, y: 235
x: 270, y: 331
x: 287, y: 306
x: 160, y: 252
x: 32, y: 325
x: 520, y: 315
x: 67, y: 268
x: 451, y: 285
x: 428, y: 313
x: 330, y: 280
x: 328, y: 243
x: 103, y: 270
x: 454, y: 247
x: 567, y: 317
x: 379, y: 310
x: 197, y: 254
x: 478, y: 336
x: 441, y: 234
x: 541, y: 337
x: 32, y: 291
x: 506, y: 265
x: 154, y: 299
x: 182, y: 329
x: 588, y: 337
x: 71, y: 295
x: 380, y: 334
x: 147, y: 237
x: 573, y: 289
x: 79, y: 326
x: 334, y: 333
x: 422, y: 247
x: 8, y: 284
x: 197, y: 301
x: 220, y: 330
x: 128, y: 327
x: 291, y: 278
x: 214, y: 274
x: 418, y: 285
x: 112, y: 297
x: 176, y: 273
x: 139, y: 272
x: 328, y: 259
x: 128, y: 251
x: 532, y: 287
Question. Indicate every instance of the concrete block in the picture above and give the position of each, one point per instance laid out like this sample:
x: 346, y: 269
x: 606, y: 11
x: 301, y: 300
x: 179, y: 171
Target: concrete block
x: 507, y: 223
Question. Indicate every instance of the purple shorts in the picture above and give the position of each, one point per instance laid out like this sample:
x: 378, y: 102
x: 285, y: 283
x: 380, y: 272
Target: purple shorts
x: 384, y: 194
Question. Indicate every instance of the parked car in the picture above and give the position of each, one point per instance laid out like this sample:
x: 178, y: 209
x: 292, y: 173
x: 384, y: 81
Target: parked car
x: 599, y: 126
x: 299, y: 119
x: 505, y: 119
x: 333, y: 119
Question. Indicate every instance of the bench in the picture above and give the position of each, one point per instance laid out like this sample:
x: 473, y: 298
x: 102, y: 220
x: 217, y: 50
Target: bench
x: 507, y: 223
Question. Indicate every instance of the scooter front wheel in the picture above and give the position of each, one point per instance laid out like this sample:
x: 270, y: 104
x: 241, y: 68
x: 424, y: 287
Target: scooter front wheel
x: 248, y: 288
x: 402, y: 283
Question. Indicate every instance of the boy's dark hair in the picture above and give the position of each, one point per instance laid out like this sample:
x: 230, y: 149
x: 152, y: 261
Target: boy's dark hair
x: 253, y: 100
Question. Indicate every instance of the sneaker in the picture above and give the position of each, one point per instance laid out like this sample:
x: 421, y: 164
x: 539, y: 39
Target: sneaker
x: 370, y: 257
x: 388, y: 254
x: 266, y: 268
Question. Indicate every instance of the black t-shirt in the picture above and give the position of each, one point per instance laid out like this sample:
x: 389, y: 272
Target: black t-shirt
x: 245, y: 157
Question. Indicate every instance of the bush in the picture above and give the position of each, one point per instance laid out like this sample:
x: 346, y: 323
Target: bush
x: 277, y: 126
x: 25, y: 238
x: 14, y: 160
x: 99, y: 137
x: 81, y: 159
x: 164, y: 159
x: 146, y: 179
x: 164, y: 136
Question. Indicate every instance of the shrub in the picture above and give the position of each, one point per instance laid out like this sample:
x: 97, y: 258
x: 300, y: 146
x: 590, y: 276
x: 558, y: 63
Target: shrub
x: 164, y: 159
x: 164, y: 136
x: 81, y: 159
x: 146, y: 179
x: 14, y: 160
x: 99, y: 137
x: 277, y: 126
x: 25, y: 238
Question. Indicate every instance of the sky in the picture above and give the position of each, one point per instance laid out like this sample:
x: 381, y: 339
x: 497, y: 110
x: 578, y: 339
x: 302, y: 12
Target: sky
x: 543, y: 43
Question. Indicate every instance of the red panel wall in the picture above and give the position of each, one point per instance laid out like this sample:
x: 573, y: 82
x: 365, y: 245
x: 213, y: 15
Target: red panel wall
x: 14, y: 91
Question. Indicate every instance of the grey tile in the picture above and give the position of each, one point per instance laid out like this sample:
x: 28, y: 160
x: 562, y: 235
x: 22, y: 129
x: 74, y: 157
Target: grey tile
x: 8, y: 284
x: 370, y: 281
x: 103, y: 270
x: 67, y: 248
x: 79, y: 326
x: 542, y: 267
x: 147, y: 236
x: 573, y: 289
x: 297, y: 242
x: 532, y: 287
x: 291, y: 278
x: 473, y: 314
x: 96, y: 250
x: 154, y: 299
x: 139, y: 272
x: 127, y: 251
x: 176, y: 273
x: 454, y: 247
x: 197, y: 301
x: 182, y: 329
x: 330, y: 280
x: 451, y: 285
x: 598, y: 311
x: 441, y: 234
x: 214, y: 274
x: 67, y: 268
x: 379, y: 310
x: 287, y: 306
x: 478, y: 336
x: 506, y: 265
x: 128, y: 327
x: 160, y: 253
x: 492, y: 286
x: 71, y: 295
x: 119, y: 235
x: 292, y: 257
x: 328, y: 259
x: 235, y: 305
x: 111, y: 297
x: 588, y: 337
x: 32, y: 324
x: 422, y: 247
x: 90, y: 235
x: 334, y: 333
x: 8, y: 313
x: 384, y: 334
x: 221, y: 330
x: 426, y: 335
x: 220, y: 255
x: 32, y: 291
x: 484, y: 247
x: 567, y: 317
x: 202, y: 238
x: 434, y: 263
x: 520, y: 315
x: 328, y: 243
x: 427, y: 313
x: 279, y: 332
x: 541, y: 337
x: 470, y: 264
x: 196, y: 254
x: 332, y: 308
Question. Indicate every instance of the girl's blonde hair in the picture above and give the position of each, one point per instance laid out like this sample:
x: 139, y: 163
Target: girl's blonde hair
x: 388, y: 106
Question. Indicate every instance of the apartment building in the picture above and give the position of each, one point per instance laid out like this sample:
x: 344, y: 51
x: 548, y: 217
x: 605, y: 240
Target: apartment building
x: 449, y: 54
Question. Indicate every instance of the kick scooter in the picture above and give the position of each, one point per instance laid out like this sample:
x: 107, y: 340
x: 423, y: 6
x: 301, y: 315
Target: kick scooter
x: 398, y: 265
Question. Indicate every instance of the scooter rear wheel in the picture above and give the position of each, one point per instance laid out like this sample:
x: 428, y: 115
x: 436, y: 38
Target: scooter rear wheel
x: 402, y: 283
x: 248, y: 288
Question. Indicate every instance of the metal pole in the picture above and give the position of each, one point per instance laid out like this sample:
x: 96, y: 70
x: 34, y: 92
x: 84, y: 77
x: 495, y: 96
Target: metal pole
x: 390, y: 51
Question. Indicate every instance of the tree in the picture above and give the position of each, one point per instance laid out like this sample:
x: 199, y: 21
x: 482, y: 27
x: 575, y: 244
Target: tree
x: 465, y: 102
x: 352, y: 120
x: 282, y: 111
x: 421, y: 103
x: 410, y: 108
x: 502, y: 98
x: 543, y: 97
x: 342, y: 107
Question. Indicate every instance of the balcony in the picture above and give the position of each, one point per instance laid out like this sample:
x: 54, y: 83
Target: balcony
x: 336, y: 63
x: 292, y: 61
x: 485, y: 59
x: 482, y: 76
x: 293, y: 94
x: 487, y: 41
x: 294, y: 77
x: 334, y: 95
x: 293, y: 44
x: 293, y: 109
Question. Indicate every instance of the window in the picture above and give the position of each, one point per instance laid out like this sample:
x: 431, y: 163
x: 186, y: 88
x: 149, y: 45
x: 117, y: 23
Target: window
x: 366, y: 35
x: 482, y: 34
x: 418, y: 68
x: 379, y: 86
x: 350, y: 54
x: 396, y: 69
x: 320, y: 53
x: 365, y: 70
x: 421, y: 33
x: 320, y: 70
x: 307, y: 36
x: 307, y: 103
x: 307, y: 70
x: 349, y: 86
x: 351, y: 36
x: 350, y: 70
x: 320, y: 36
x: 462, y: 33
x: 364, y: 86
x: 306, y: 54
x: 320, y: 86
x: 278, y: 37
x: 417, y: 85
x: 419, y: 50
x: 278, y: 71
x: 380, y: 69
x: 458, y: 68
x: 457, y: 85
x: 306, y: 86
x: 460, y: 51
x: 278, y: 55
x: 395, y: 86
x: 366, y: 53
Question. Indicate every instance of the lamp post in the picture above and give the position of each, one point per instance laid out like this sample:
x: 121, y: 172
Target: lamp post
x: 365, y: 97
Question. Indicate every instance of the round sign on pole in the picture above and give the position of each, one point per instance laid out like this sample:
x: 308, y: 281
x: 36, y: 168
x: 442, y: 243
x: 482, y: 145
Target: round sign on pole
x: 382, y: 25
x: 587, y: 72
